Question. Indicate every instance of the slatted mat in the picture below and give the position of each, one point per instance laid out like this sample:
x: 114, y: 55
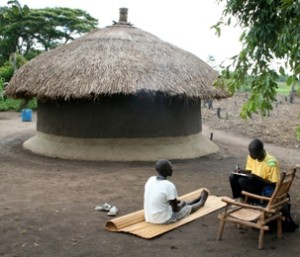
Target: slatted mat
x: 134, y: 223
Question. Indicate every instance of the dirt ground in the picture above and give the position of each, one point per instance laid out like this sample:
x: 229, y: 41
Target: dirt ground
x: 47, y: 204
x: 278, y: 127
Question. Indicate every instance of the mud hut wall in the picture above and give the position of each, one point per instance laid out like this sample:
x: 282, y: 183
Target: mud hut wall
x: 120, y: 116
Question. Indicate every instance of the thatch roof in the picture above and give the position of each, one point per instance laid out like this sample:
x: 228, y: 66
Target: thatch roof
x: 113, y: 60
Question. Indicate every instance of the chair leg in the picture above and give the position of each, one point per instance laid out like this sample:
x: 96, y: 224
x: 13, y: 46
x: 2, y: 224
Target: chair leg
x: 261, y: 239
x: 279, y: 227
x: 221, y: 229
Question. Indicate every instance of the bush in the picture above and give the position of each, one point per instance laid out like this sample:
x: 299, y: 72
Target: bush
x: 10, y: 104
x: 7, y: 103
x: 6, y: 72
x: 31, y: 54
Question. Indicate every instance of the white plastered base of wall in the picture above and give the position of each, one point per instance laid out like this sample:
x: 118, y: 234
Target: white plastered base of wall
x: 121, y: 149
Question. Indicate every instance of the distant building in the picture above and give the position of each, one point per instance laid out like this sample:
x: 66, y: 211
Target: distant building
x: 118, y: 94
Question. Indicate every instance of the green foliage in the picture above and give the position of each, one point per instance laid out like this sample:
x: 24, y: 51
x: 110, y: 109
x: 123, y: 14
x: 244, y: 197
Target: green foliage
x: 6, y: 71
x: 298, y: 133
x: 31, y: 54
x: 270, y: 32
x: 283, y: 88
x: 10, y: 104
x: 2, y: 84
x: 7, y: 103
x: 27, y: 31
x: 10, y: 28
x: 18, y: 60
x: 24, y: 32
x: 8, y: 68
x: 50, y: 27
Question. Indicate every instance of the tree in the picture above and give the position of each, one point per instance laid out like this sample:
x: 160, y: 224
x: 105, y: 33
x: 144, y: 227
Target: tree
x: 50, y: 27
x: 10, y: 29
x: 270, y: 32
x: 27, y: 31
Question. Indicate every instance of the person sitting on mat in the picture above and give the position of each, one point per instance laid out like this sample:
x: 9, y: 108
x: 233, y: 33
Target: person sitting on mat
x: 161, y: 205
x: 262, y: 170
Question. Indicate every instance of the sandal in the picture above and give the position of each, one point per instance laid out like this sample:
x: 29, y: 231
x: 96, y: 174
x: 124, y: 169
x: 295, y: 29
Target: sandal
x: 103, y: 207
x: 113, y: 211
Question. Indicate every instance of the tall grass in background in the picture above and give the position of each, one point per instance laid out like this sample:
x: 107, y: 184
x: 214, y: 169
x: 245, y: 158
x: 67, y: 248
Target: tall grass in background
x: 283, y: 89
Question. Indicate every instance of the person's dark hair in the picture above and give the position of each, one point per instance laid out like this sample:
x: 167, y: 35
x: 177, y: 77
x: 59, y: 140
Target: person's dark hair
x: 163, y: 167
x: 256, y: 150
x: 256, y: 145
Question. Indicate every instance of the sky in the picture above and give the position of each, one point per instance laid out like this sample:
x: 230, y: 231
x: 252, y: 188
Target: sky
x: 183, y: 23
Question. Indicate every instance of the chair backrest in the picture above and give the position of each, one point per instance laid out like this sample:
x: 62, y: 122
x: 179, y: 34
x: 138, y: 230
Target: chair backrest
x: 282, y: 188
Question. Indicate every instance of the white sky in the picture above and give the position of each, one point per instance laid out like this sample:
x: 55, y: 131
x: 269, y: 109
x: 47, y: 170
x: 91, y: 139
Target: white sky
x: 184, y: 23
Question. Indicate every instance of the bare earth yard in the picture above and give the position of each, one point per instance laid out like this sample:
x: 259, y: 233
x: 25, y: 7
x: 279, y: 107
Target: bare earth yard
x: 47, y: 204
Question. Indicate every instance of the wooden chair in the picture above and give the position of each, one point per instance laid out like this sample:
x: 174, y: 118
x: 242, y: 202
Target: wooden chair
x: 256, y: 216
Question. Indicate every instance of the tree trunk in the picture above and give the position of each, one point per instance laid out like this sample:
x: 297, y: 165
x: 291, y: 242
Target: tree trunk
x: 292, y: 93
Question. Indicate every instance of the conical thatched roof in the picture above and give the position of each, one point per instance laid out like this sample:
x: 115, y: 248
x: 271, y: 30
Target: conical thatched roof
x: 113, y: 60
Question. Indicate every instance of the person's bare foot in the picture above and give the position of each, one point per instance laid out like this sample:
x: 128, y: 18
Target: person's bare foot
x: 204, y: 196
x: 200, y: 200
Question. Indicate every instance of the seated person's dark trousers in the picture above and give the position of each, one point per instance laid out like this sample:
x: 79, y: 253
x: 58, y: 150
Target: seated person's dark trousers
x: 249, y: 184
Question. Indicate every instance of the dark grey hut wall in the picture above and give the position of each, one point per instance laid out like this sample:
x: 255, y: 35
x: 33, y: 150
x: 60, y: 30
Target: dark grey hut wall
x: 119, y: 116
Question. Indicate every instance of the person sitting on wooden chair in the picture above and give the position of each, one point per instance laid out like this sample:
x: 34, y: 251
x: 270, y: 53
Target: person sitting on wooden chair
x: 161, y: 205
x: 261, y: 174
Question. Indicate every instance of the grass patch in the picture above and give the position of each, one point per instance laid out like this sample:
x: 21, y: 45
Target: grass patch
x: 283, y: 88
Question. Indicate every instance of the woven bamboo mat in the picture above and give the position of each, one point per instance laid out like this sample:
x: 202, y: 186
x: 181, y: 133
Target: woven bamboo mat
x: 134, y: 223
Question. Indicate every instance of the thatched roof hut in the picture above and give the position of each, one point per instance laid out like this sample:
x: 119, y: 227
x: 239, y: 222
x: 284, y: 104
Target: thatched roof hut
x: 117, y: 93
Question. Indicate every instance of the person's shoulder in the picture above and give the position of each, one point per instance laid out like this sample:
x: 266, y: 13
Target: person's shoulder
x: 169, y: 183
x: 151, y: 179
x: 271, y: 160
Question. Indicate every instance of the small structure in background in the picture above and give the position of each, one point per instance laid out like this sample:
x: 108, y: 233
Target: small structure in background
x: 119, y: 94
